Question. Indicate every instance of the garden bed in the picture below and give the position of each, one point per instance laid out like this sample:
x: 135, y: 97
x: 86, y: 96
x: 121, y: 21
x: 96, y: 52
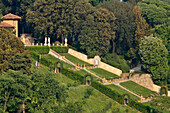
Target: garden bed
x: 136, y: 88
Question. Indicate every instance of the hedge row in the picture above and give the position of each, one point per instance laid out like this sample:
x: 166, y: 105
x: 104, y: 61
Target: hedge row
x: 60, y: 49
x: 39, y: 49
x: 72, y: 74
x: 107, y: 91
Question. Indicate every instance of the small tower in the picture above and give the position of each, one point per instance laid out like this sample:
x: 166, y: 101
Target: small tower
x: 12, y: 20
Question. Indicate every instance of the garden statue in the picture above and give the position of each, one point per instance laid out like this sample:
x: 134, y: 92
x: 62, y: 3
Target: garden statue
x: 45, y: 41
x: 65, y: 42
x: 96, y: 60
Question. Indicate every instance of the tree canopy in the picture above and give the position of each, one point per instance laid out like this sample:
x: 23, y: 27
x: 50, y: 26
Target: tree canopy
x: 155, y: 11
x: 9, y: 46
x: 154, y: 57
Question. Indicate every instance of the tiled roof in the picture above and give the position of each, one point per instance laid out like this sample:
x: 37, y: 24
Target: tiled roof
x: 4, y: 24
x: 11, y: 16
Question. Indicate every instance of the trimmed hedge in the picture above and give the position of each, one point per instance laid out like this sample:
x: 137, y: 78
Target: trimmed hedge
x: 107, y: 91
x: 34, y: 55
x: 72, y: 74
x: 38, y: 49
x: 60, y: 49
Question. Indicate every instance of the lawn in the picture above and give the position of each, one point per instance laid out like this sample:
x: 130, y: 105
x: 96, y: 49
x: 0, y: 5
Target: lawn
x: 74, y: 59
x: 54, y: 60
x: 96, y: 101
x: 103, y: 73
x: 121, y: 91
x: 136, y: 88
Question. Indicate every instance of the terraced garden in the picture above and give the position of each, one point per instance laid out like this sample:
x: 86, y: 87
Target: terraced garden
x: 136, y: 88
x: 103, y: 73
x: 74, y: 59
x: 94, y: 101
x: 122, y: 91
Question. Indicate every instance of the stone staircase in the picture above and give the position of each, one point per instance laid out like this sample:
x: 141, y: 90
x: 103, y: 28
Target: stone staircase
x: 55, y: 54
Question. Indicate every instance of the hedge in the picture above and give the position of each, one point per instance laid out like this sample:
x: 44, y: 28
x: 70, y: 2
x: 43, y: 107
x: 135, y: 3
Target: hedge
x: 72, y: 74
x: 34, y: 55
x: 39, y: 49
x: 60, y: 49
x: 107, y: 91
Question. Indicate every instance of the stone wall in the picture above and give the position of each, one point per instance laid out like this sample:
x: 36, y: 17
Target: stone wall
x: 143, y: 80
x: 102, y: 65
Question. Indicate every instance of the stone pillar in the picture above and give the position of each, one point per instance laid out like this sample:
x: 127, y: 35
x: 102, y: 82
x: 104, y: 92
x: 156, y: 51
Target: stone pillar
x: 45, y: 41
x: 24, y: 39
x: 49, y: 41
x: 65, y: 42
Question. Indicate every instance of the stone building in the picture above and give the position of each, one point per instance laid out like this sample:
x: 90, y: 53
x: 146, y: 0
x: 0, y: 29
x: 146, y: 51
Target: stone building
x: 11, y: 21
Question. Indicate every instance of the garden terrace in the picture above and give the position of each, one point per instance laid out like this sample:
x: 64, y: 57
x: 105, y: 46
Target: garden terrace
x: 103, y: 73
x: 136, y: 88
x: 74, y: 59
x: 121, y: 91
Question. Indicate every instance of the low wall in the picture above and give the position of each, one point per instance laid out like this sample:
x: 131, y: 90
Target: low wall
x: 110, y: 68
x: 102, y: 65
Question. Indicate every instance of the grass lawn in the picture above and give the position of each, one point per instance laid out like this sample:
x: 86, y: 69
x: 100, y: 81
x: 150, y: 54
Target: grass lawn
x: 122, y: 91
x: 136, y: 88
x: 103, y: 73
x: 54, y: 60
x: 74, y: 59
x: 96, y: 101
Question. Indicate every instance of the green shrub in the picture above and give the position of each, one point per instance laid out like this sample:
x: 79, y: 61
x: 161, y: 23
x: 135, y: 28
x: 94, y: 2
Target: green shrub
x: 116, y: 61
x: 60, y: 49
x: 34, y: 55
x: 72, y: 74
x: 39, y: 49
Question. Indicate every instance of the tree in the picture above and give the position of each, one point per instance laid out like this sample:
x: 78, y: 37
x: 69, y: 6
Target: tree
x: 9, y: 46
x: 58, y: 19
x: 15, y: 90
x: 162, y: 32
x: 142, y: 29
x: 155, y: 11
x: 21, y: 62
x: 125, y: 24
x: 154, y: 57
x: 97, y: 32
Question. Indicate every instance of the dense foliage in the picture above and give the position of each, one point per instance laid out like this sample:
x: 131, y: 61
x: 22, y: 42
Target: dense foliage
x: 155, y: 12
x: 39, y: 49
x: 154, y: 57
x: 9, y: 46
